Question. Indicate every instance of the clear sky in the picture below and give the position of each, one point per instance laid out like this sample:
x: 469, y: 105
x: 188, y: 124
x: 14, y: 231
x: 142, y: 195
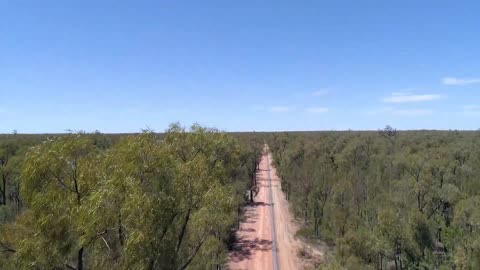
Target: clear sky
x: 120, y: 66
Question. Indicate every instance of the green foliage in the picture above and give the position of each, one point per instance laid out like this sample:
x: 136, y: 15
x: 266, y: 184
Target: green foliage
x: 386, y: 200
x: 148, y: 201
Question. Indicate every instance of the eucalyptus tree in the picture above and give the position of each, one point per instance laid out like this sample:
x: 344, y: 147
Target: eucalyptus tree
x: 57, y: 179
x: 395, y: 199
x: 148, y: 202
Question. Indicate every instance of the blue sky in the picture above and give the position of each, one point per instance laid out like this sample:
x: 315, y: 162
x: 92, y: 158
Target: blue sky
x: 120, y: 66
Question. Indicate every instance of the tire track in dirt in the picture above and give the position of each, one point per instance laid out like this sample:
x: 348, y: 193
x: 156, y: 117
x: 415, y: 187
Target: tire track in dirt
x: 272, y: 216
x: 270, y: 213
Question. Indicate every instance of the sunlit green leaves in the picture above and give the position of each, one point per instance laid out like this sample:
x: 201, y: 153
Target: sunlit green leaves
x: 149, y: 202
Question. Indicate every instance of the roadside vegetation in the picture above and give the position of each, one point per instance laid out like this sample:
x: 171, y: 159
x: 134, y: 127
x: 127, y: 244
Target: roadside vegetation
x: 381, y: 200
x: 386, y: 199
x: 146, y: 201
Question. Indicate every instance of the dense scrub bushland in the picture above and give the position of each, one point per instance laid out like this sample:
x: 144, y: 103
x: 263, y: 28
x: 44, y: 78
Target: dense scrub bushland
x: 145, y: 201
x: 387, y: 199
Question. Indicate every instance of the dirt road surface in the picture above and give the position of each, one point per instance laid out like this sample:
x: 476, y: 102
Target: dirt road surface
x: 253, y: 250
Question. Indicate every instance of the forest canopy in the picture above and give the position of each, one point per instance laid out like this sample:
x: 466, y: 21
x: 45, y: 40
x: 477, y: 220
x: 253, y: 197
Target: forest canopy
x: 144, y: 201
x: 388, y: 199
x: 382, y: 199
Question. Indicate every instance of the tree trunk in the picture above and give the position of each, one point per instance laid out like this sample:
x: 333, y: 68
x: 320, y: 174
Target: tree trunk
x: 18, y: 201
x: 120, y: 229
x: 400, y: 259
x: 80, y: 259
x: 182, y: 233
x: 381, y: 262
x: 4, y: 190
x: 306, y: 211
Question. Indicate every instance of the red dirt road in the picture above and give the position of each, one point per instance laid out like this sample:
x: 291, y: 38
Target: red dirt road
x: 254, y: 247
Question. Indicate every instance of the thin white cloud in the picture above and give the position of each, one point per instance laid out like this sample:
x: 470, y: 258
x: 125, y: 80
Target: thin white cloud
x: 471, y: 110
x: 281, y: 109
x: 316, y: 110
x: 378, y: 111
x: 412, y: 112
x: 403, y: 97
x: 272, y: 109
x: 459, y: 81
x: 175, y: 111
x: 321, y: 92
x: 406, y: 91
x: 471, y: 107
x: 400, y: 112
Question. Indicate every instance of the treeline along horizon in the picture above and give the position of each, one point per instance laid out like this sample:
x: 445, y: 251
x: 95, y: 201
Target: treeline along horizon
x: 381, y: 199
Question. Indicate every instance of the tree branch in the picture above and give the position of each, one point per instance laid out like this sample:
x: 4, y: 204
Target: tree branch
x: 182, y: 232
x: 195, y: 251
x: 6, y: 248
